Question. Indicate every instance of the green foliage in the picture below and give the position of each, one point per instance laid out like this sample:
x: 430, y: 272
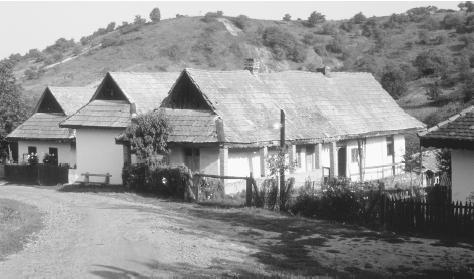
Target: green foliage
x: 211, y: 17
x: 155, y: 15
x: 109, y: 41
x: 329, y: 28
x: 148, y: 136
x: 433, y: 92
x: 396, y: 20
x: 316, y: 18
x: 452, y: 21
x: 336, y: 45
x: 139, y: 20
x: 420, y: 13
x: 467, y: 6
x: 110, y: 27
x: 283, y: 44
x: 33, y: 72
x: 241, y: 21
x: 431, y: 62
x: 468, y: 89
x: 393, y: 80
x: 443, y: 161
x: 359, y: 18
x: 287, y: 17
x: 129, y: 28
x: 163, y: 181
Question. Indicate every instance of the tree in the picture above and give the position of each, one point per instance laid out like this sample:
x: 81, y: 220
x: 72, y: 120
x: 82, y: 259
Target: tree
x: 110, y: 27
x: 452, y: 21
x: 12, y: 109
x: 359, y: 18
x: 393, y: 80
x: 430, y: 62
x: 139, y: 20
x: 155, y: 15
x: 241, y: 21
x: 287, y: 17
x: 148, y: 136
x: 316, y: 18
x: 467, y: 6
x: 433, y: 92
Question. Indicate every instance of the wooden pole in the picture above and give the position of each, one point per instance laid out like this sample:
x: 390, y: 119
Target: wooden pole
x: 421, y: 165
x: 248, y: 190
x: 282, y: 146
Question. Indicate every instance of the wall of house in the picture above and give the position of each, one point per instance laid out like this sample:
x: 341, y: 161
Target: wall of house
x: 462, y: 167
x: 98, y: 153
x: 375, y: 155
x: 66, y: 151
x: 244, y: 161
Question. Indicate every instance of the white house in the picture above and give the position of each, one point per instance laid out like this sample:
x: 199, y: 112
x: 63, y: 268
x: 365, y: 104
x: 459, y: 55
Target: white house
x: 41, y: 133
x: 224, y: 122
x: 108, y: 114
x: 456, y: 134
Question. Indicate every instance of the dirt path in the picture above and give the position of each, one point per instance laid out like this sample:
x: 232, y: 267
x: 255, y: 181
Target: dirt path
x: 122, y: 235
x: 88, y: 235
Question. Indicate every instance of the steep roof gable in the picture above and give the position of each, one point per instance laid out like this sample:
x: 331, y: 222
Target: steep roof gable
x: 69, y: 99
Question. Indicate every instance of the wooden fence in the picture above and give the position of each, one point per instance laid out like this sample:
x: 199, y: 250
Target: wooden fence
x: 411, y: 215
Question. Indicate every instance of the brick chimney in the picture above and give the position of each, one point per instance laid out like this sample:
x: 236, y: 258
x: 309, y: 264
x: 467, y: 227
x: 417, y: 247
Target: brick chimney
x: 252, y: 65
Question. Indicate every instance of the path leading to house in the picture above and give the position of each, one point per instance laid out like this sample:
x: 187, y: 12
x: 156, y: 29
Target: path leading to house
x: 121, y: 235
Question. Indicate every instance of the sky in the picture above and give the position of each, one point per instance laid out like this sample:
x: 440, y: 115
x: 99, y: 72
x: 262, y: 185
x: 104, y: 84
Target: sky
x: 28, y: 25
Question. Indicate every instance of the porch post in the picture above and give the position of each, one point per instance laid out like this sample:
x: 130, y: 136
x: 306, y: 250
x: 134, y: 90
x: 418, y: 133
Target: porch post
x: 318, y: 155
x: 292, y: 156
x: 333, y: 160
x: 127, y: 156
x: 263, y: 160
x: 223, y: 159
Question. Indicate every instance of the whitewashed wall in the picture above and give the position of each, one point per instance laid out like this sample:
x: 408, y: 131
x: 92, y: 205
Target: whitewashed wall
x: 375, y: 155
x: 66, y: 151
x: 462, y: 164
x: 97, y: 153
x: 243, y: 161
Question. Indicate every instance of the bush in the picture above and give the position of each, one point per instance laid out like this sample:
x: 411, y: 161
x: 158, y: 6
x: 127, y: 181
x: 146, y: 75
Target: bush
x: 111, y: 41
x: 287, y: 17
x: 393, y: 80
x: 129, y: 28
x: 139, y: 20
x: 329, y: 28
x: 155, y: 15
x: 420, y: 13
x: 316, y: 18
x: 452, y: 21
x: 430, y: 62
x: 210, y: 17
x: 241, y: 21
x: 336, y: 45
x: 433, y: 92
x: 283, y: 44
x: 33, y: 73
x: 163, y: 181
x: 359, y: 18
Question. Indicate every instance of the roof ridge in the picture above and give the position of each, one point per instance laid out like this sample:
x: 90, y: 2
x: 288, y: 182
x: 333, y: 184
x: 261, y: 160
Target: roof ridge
x: 447, y: 121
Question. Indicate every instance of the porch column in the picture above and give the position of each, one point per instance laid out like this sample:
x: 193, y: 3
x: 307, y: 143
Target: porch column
x: 318, y: 155
x: 292, y: 156
x: 223, y: 160
x: 333, y: 163
x: 263, y: 161
x: 127, y: 155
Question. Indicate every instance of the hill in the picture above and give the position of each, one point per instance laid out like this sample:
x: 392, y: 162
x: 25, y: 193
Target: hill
x: 422, y: 50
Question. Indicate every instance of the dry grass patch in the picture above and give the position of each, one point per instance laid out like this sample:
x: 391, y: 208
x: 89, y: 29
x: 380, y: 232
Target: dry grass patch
x: 18, y: 221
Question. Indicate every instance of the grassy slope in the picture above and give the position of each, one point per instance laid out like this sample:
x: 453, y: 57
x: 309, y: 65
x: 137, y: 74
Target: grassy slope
x: 174, y: 44
x: 17, y: 222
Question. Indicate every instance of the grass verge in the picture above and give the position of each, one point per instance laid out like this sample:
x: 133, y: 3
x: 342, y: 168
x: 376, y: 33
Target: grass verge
x: 18, y: 221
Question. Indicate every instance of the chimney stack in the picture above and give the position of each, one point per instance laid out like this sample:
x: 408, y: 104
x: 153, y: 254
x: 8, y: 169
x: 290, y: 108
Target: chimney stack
x: 326, y: 70
x: 133, y: 112
x: 252, y: 65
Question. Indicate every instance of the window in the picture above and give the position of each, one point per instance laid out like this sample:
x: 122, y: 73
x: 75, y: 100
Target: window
x: 31, y: 149
x: 53, y: 155
x: 354, y: 155
x: 299, y: 157
x: 390, y: 149
x: 191, y: 158
x: 311, y: 164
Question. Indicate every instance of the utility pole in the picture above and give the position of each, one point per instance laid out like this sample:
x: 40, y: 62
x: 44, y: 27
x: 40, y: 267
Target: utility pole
x: 282, y: 147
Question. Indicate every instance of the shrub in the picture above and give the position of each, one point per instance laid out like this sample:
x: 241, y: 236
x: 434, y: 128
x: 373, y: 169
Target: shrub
x: 111, y: 41
x: 241, y: 21
x: 163, y: 181
x: 287, y: 17
x: 210, y: 17
x: 468, y: 89
x: 430, y: 62
x: 347, y: 26
x: 129, y: 28
x: 467, y: 6
x: 283, y: 44
x: 393, y: 80
x: 452, y: 21
x: 433, y: 92
x: 155, y: 15
x: 336, y: 45
x: 316, y: 18
x: 359, y: 18
x: 139, y: 20
x: 420, y: 13
x: 423, y: 37
x: 395, y: 20
x: 33, y: 73
x: 110, y: 27
x: 431, y: 24
x: 329, y: 28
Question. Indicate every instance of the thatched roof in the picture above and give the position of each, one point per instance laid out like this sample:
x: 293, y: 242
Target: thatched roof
x: 146, y: 90
x: 42, y: 126
x: 70, y: 99
x: 318, y: 107
x: 100, y: 114
x: 457, y: 132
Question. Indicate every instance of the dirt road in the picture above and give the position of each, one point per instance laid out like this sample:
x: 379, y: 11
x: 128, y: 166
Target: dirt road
x: 123, y: 235
x: 89, y: 235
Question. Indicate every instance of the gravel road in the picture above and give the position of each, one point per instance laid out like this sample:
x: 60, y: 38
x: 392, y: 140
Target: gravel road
x: 95, y: 236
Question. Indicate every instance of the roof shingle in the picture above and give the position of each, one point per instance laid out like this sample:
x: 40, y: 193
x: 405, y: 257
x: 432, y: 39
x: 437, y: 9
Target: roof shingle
x: 42, y: 126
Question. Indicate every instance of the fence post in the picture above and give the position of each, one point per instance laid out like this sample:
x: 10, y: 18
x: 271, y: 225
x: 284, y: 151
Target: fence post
x: 248, y: 190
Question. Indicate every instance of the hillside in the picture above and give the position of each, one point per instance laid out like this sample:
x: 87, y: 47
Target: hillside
x: 385, y: 46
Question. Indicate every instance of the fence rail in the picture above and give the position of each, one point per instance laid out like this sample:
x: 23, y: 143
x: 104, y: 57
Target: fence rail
x: 449, y: 218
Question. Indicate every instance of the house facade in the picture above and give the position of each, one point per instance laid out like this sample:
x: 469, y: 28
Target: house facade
x: 106, y: 116
x: 337, y: 124
x: 456, y: 134
x: 40, y: 134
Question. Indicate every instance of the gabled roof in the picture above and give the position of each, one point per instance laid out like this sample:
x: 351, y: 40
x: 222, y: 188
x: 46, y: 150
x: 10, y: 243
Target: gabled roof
x: 69, y: 98
x: 42, y: 126
x: 100, y: 114
x: 191, y: 126
x: 146, y: 90
x: 456, y: 132
x: 343, y: 105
